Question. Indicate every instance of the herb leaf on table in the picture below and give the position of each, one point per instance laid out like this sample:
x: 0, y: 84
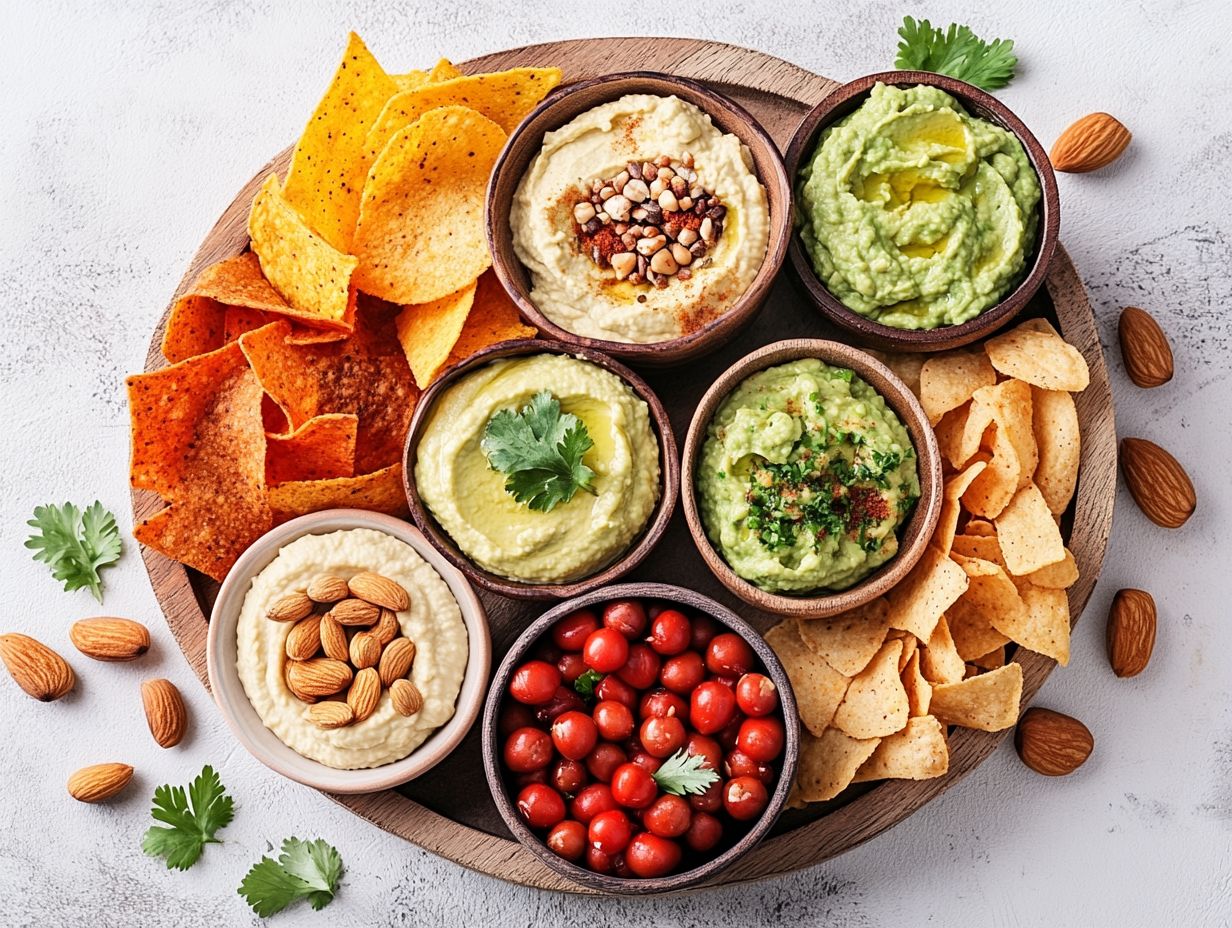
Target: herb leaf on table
x: 76, y: 545
x: 194, y: 816
x: 304, y: 870
x: 957, y: 51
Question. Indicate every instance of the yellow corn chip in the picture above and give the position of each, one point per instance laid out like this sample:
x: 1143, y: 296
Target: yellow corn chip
x: 819, y: 688
x: 1028, y: 535
x: 948, y: 380
x: 828, y: 763
x: 1044, y: 625
x: 411, y: 80
x: 850, y: 640
x: 979, y: 527
x: 984, y: 547
x: 926, y: 593
x: 954, y: 488
x: 918, y: 752
x: 1060, y: 447
x: 995, y: 486
x: 992, y: 660
x: 428, y: 332
x: 1035, y: 352
x: 1009, y: 405
x: 875, y: 704
x: 918, y: 690
x: 988, y: 702
x: 939, y: 659
x: 443, y: 70
x: 1059, y: 576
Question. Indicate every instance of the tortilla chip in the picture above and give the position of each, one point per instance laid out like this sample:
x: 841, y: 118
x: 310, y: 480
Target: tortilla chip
x: 312, y: 275
x: 917, y: 688
x: 1044, y: 626
x: 984, y: 547
x: 321, y: 449
x: 948, y: 380
x: 910, y: 645
x: 979, y: 527
x: 493, y: 319
x: 828, y: 763
x: 429, y: 331
x: 325, y: 176
x: 420, y: 235
x: 951, y: 434
x: 954, y: 488
x: 1010, y: 406
x: 918, y: 752
x: 848, y: 641
x: 995, y: 485
x: 990, y: 597
x: 906, y: 366
x: 1029, y: 537
x: 443, y: 70
x: 875, y: 704
x: 380, y: 491
x: 919, y: 600
x: 411, y: 80
x: 992, y: 660
x: 819, y: 688
x: 1060, y: 447
x: 939, y: 658
x: 1035, y: 352
x: 1059, y: 576
x: 195, y: 327
x: 988, y: 702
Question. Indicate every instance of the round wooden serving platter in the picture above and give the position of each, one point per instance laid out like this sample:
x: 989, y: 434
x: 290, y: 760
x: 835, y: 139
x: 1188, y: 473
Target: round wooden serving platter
x: 449, y: 811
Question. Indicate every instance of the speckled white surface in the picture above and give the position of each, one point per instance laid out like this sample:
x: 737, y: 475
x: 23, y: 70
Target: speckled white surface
x: 125, y: 127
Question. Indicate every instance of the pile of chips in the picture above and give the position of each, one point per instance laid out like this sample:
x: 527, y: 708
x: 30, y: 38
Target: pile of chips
x: 295, y: 367
x: 877, y: 687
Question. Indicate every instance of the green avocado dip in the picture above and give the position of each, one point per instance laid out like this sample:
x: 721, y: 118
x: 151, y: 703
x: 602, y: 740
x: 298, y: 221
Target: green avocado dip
x: 914, y: 213
x: 804, y: 478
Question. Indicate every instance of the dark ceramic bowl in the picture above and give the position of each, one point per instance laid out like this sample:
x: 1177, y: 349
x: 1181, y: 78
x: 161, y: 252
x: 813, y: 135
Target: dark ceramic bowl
x: 689, y: 601
x: 669, y: 475
x: 913, y: 537
x: 847, y: 98
x: 570, y: 101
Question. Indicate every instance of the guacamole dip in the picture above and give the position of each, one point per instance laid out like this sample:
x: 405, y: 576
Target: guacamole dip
x: 804, y: 478
x: 915, y: 213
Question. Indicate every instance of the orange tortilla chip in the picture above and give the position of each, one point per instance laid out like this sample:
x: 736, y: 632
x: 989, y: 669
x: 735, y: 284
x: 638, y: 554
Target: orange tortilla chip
x: 1060, y: 447
x: 312, y: 275
x: 919, y: 601
x: 420, y: 235
x: 326, y: 173
x: 1035, y: 352
x: 918, y: 752
x: 988, y: 702
x: 829, y: 762
x: 848, y: 641
x: 1029, y: 538
x: 948, y: 380
x: 954, y: 488
x: 429, y: 331
x: 493, y: 319
x: 939, y: 658
x: 875, y: 704
x: 321, y: 449
x: 380, y: 491
x: 195, y: 327
x: 819, y: 688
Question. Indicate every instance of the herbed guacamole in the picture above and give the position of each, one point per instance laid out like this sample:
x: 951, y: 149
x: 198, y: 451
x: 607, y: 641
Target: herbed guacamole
x: 915, y: 213
x: 805, y: 477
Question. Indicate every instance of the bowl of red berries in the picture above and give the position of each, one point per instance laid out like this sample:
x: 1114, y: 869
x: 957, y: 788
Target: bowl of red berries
x: 640, y: 738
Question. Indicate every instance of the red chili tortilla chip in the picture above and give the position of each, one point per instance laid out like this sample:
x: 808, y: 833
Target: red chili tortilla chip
x: 380, y: 491
x: 948, y: 380
x: 988, y: 702
x: 1060, y: 447
x: 323, y: 448
x: 194, y: 327
x: 875, y: 704
x: 1035, y: 352
x: 420, y: 235
x: 848, y: 641
x: 1028, y: 535
x: 428, y: 332
x: 924, y: 595
x: 493, y: 319
x: 819, y: 688
x: 829, y: 762
x: 326, y: 173
x: 918, y: 752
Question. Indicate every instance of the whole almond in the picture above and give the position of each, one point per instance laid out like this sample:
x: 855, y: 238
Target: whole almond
x: 396, y: 660
x: 1093, y: 142
x: 290, y: 608
x: 331, y: 714
x: 327, y: 588
x: 164, y: 711
x: 365, y: 650
x: 387, y: 628
x: 1051, y: 743
x: 380, y: 591
x: 355, y: 612
x: 99, y: 781
x: 406, y: 697
x: 38, y: 670
x: 1131, y: 632
x: 295, y: 690
x: 304, y: 639
x: 321, y: 676
x: 1157, y: 482
x: 365, y: 693
x: 1144, y: 348
x: 333, y: 638
x: 109, y: 639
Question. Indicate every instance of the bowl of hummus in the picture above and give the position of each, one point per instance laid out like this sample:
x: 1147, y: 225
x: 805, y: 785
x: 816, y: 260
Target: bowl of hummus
x: 541, y: 470
x: 926, y: 213
x: 811, y: 478
x: 346, y: 653
x: 639, y: 214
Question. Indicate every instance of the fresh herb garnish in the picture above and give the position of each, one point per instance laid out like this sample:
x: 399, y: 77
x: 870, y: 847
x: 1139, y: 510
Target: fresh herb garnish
x: 683, y: 774
x: 540, y: 449
x: 585, y: 684
x: 957, y: 51
x: 194, y: 818
x: 304, y: 870
x: 76, y: 545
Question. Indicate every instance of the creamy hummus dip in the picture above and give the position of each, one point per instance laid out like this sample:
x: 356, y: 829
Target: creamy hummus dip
x: 584, y: 298
x: 469, y: 499
x: 915, y: 213
x: 805, y: 477
x: 433, y: 622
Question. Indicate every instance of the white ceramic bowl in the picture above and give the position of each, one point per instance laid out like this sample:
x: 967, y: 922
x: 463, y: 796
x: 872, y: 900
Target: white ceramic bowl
x: 262, y: 743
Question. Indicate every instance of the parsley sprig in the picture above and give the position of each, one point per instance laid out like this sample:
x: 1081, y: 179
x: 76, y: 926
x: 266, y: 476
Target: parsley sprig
x: 195, y: 816
x: 540, y: 450
x: 957, y: 51
x: 683, y: 774
x: 76, y: 545
x: 304, y: 870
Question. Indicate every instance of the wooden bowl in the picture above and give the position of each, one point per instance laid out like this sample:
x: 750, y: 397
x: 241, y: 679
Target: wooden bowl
x: 669, y: 475
x: 566, y: 103
x: 913, y: 537
x: 844, y: 100
x: 691, y: 601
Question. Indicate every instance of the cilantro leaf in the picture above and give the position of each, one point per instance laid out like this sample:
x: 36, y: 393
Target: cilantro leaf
x: 304, y: 870
x: 585, y: 684
x: 76, y: 545
x: 540, y: 449
x: 683, y: 773
x: 194, y: 818
x: 958, y: 52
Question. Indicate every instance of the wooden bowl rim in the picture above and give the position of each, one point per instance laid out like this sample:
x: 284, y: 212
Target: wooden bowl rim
x: 837, y: 104
x: 645, y: 540
x: 915, y: 536
x: 546, y: 117
x: 696, y: 602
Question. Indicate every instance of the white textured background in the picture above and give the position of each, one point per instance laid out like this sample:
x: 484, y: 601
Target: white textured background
x: 125, y: 128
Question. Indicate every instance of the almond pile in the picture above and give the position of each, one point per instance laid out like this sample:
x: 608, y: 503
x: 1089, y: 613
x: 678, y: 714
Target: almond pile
x: 345, y: 648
